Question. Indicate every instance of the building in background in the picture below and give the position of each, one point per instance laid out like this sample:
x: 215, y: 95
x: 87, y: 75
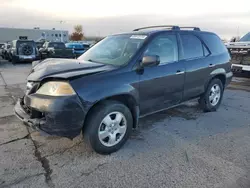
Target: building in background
x: 9, y: 34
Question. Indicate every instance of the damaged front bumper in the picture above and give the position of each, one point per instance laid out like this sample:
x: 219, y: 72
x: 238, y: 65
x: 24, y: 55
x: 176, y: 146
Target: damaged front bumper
x: 60, y: 116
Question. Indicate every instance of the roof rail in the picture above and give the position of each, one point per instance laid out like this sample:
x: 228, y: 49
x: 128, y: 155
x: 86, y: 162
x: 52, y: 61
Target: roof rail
x: 194, y: 28
x: 173, y: 27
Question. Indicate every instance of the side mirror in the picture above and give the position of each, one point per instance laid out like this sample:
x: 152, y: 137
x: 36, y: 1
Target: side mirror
x: 149, y: 61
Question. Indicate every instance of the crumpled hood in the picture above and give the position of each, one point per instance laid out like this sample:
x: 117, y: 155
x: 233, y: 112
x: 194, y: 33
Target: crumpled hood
x: 65, y: 68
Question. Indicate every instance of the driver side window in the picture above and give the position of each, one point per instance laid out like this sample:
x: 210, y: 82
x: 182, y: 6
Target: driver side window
x: 165, y: 46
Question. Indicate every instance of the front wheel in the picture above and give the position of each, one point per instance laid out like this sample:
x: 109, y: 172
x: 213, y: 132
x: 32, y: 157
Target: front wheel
x: 108, y: 127
x: 211, y: 99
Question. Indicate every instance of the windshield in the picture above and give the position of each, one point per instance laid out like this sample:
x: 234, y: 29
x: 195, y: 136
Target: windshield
x: 115, y: 50
x: 245, y: 38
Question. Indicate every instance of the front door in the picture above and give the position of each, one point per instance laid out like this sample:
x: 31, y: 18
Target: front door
x: 162, y: 86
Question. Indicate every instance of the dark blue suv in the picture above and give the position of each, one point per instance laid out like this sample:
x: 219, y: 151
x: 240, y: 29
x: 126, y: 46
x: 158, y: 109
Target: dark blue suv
x: 122, y: 78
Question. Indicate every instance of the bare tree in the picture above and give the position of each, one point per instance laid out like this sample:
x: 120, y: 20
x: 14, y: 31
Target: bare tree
x: 78, y: 34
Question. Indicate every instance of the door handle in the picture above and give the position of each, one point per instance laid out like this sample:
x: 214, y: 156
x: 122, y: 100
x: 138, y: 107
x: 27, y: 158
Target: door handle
x: 179, y: 72
x: 211, y: 65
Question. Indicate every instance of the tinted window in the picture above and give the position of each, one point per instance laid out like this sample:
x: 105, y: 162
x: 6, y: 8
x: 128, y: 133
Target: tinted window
x: 23, y: 43
x: 56, y: 45
x: 23, y: 37
x: 165, y: 46
x: 214, y: 43
x: 192, y: 46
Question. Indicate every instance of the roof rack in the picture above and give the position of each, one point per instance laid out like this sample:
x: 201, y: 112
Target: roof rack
x: 164, y: 26
x: 173, y: 27
x: 194, y: 28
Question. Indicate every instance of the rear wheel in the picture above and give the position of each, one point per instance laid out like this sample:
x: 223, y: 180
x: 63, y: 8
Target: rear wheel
x: 108, y: 127
x: 211, y: 99
x: 13, y: 61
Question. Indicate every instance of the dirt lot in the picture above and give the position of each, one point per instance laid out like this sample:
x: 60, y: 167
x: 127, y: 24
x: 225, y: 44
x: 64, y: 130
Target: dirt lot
x: 181, y: 147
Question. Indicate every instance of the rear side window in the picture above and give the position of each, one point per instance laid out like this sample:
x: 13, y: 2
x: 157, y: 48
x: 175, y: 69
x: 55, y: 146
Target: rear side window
x: 192, y: 46
x: 214, y: 43
x: 165, y: 46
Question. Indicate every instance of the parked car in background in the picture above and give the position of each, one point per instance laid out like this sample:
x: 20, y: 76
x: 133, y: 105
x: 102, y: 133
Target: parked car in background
x: 240, y: 53
x: 4, y: 51
x: 1, y: 49
x: 55, y: 50
x: 87, y: 46
x: 78, y: 48
x: 126, y: 76
x: 22, y: 51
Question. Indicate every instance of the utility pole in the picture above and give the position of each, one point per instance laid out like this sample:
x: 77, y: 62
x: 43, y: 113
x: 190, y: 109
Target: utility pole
x: 61, y: 22
x: 238, y: 31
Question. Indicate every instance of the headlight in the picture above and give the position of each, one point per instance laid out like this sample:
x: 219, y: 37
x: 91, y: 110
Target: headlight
x: 56, y: 88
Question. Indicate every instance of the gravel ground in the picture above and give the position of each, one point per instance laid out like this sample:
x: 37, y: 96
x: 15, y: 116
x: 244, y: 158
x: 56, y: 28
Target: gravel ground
x: 181, y: 147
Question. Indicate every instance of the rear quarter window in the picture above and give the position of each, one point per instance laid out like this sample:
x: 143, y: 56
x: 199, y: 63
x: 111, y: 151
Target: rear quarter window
x: 214, y: 43
x: 192, y: 46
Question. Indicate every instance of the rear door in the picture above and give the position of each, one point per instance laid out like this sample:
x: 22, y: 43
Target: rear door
x: 198, y: 67
x: 162, y: 86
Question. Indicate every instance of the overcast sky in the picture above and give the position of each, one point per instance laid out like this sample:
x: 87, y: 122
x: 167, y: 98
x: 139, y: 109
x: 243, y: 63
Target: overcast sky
x: 103, y: 17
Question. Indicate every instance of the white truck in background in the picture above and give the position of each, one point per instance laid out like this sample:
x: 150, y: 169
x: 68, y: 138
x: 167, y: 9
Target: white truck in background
x: 240, y: 53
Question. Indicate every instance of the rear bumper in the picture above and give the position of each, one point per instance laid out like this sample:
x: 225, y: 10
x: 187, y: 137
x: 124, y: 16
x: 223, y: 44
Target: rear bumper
x: 240, y: 68
x: 24, y: 58
x: 60, y: 116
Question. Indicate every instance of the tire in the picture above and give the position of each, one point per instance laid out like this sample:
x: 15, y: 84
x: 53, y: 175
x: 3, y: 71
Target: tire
x: 13, y: 61
x: 27, y: 49
x: 96, y: 125
x: 207, y: 101
x: 9, y: 58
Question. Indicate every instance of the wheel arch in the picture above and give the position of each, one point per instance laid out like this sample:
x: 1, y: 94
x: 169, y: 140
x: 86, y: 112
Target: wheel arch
x: 127, y: 99
x: 219, y: 74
